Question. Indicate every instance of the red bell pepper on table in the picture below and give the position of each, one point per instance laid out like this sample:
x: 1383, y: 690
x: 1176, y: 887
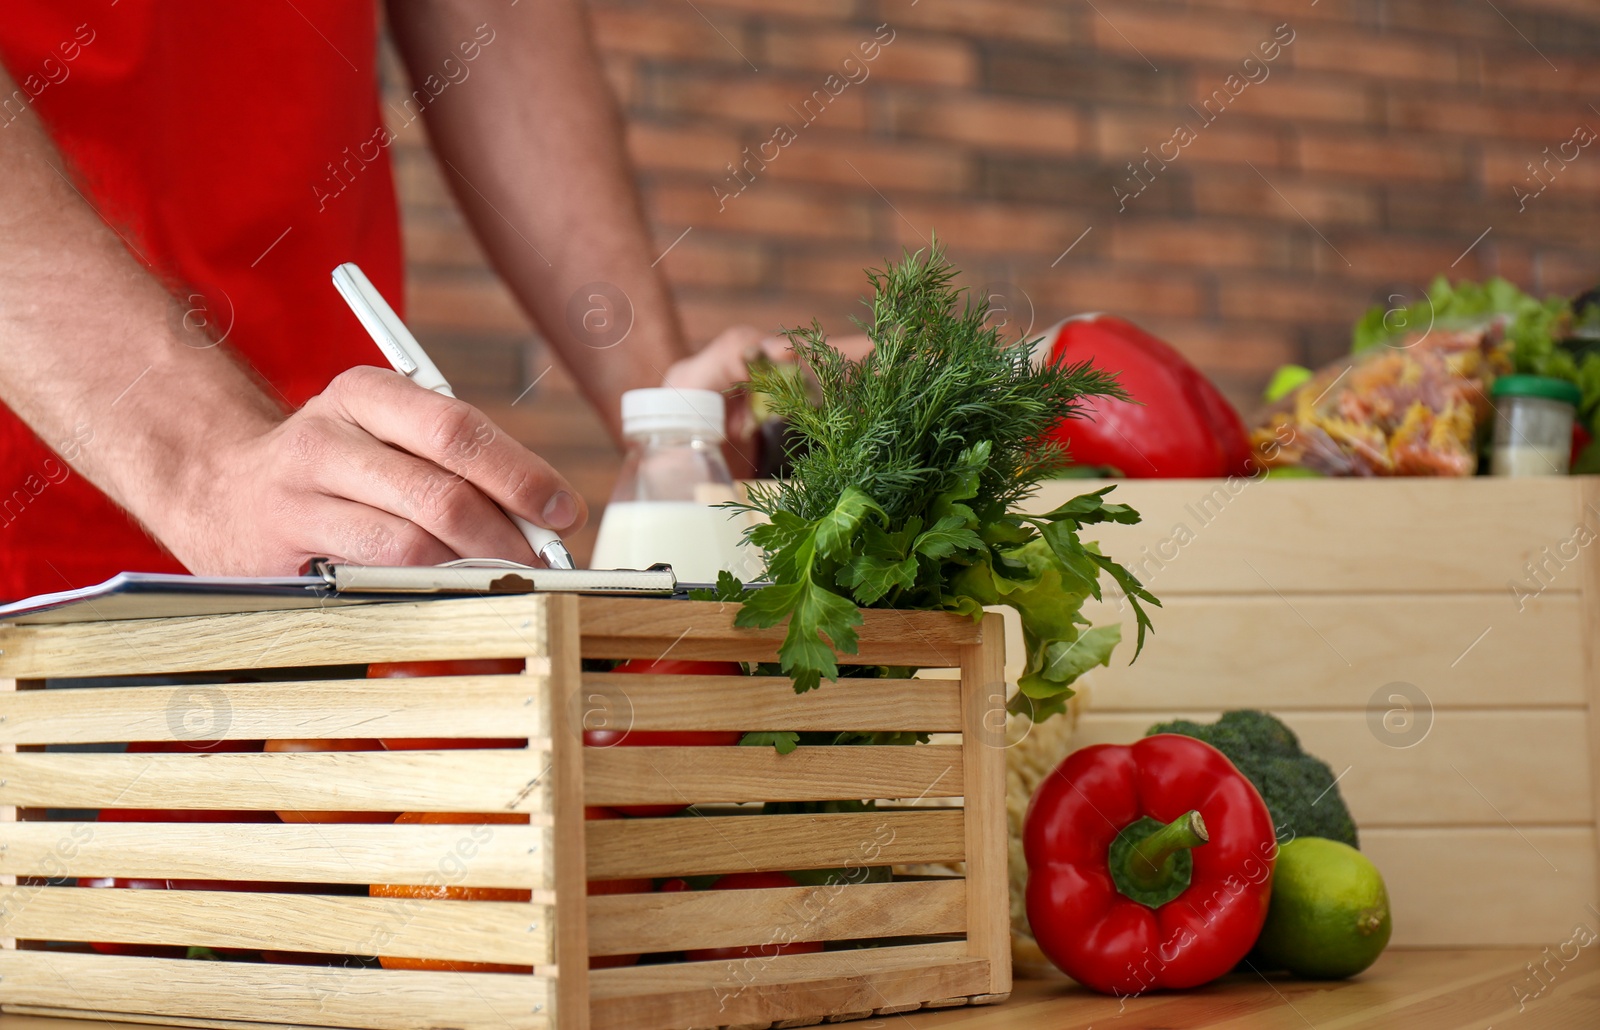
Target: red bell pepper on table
x: 1149, y: 866
x: 1176, y: 424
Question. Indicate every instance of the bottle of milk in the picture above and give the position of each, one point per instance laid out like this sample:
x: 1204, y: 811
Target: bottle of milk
x: 663, y: 507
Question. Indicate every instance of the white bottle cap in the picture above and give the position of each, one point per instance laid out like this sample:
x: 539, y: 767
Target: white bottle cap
x: 665, y: 409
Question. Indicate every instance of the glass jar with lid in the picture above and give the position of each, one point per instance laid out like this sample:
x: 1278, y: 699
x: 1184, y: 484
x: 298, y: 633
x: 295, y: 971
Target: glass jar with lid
x: 664, y: 507
x: 1532, y: 425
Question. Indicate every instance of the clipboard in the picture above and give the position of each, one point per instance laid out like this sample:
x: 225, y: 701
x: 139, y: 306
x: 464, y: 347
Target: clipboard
x: 326, y: 584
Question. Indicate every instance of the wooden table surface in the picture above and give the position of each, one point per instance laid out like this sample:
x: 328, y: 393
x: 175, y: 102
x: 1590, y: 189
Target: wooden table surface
x: 1412, y: 990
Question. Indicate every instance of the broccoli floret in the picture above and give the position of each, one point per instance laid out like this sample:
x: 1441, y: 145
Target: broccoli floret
x: 1298, y: 788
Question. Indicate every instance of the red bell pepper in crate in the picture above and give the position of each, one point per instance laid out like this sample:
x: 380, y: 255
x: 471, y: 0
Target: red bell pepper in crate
x: 1149, y: 866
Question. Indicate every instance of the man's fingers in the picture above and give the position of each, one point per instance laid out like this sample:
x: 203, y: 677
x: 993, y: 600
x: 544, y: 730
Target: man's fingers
x: 442, y: 503
x: 458, y: 437
x: 335, y: 528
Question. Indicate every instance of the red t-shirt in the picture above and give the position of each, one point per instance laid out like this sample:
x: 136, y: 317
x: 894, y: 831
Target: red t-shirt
x: 234, y: 144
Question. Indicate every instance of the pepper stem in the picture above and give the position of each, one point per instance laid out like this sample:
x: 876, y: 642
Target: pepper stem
x: 1150, y: 861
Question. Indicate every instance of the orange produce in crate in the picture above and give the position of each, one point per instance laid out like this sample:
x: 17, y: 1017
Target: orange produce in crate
x: 442, y: 892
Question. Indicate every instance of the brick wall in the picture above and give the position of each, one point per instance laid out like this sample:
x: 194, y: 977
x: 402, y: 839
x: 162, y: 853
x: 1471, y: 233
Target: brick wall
x: 1263, y: 214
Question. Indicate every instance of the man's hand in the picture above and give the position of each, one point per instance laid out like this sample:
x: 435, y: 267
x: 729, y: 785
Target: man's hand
x: 374, y: 470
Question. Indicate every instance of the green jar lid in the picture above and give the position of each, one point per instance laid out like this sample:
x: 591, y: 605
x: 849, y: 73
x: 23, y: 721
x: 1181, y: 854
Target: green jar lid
x: 1547, y: 387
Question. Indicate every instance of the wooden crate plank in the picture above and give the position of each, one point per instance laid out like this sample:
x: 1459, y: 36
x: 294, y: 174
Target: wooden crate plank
x: 502, y: 626
x: 640, y: 702
x: 684, y: 775
x: 1334, y: 535
x: 983, y: 704
x: 1485, y: 887
x: 643, y: 619
x: 434, y: 706
x: 308, y: 995
x: 567, y: 806
x: 383, y: 781
x: 471, y: 855
x: 622, y: 924
x: 621, y: 848
x: 467, y: 931
x: 1265, y: 651
x: 1472, y: 768
x: 782, y: 987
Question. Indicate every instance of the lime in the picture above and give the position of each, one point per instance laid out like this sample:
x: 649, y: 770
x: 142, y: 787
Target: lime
x: 1292, y: 472
x: 1329, y: 914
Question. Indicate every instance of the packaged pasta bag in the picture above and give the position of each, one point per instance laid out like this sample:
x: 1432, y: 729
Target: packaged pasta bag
x: 1412, y: 405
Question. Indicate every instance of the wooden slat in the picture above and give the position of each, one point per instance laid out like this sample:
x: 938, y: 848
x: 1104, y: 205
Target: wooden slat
x: 567, y: 806
x: 503, y: 626
x: 382, y: 781
x: 1335, y: 535
x: 435, y: 706
x: 628, y: 701
x: 1279, y: 653
x: 685, y: 775
x: 482, y: 855
x: 469, y: 931
x: 1490, y: 886
x: 983, y: 704
x: 1473, y: 768
x: 313, y: 996
x: 1590, y: 650
x: 631, y: 923
x: 622, y: 848
x: 783, y: 987
x: 8, y: 813
x: 630, y: 628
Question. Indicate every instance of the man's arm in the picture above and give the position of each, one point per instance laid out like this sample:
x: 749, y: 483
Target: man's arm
x: 375, y: 469
x: 530, y: 140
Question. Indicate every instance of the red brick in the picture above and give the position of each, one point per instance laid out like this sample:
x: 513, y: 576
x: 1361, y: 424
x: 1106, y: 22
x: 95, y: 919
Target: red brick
x: 704, y: 259
x: 856, y: 163
x: 1285, y: 199
x: 1531, y: 120
x: 1169, y: 34
x: 836, y: 10
x: 1120, y: 136
x: 1505, y: 71
x: 1196, y: 244
x: 907, y: 57
x: 1245, y: 346
x: 840, y: 272
x: 1344, y: 11
x: 1045, y: 22
x: 669, y: 31
x: 1381, y: 157
x: 1567, y: 272
x: 989, y: 122
x: 1509, y: 259
x: 1397, y: 260
x: 1297, y: 99
x: 765, y: 102
x: 659, y: 147
x: 479, y: 303
x: 622, y: 76
x: 704, y: 317
x: 978, y: 226
x: 1379, y: 57
x: 1072, y: 289
x: 765, y: 207
x: 438, y: 240
x: 1505, y: 167
x: 1291, y: 300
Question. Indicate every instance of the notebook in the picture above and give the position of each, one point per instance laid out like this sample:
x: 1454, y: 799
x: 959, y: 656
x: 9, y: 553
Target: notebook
x: 153, y: 595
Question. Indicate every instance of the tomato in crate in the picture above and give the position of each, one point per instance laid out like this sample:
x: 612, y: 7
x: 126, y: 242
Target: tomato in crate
x: 666, y: 738
x: 443, y: 892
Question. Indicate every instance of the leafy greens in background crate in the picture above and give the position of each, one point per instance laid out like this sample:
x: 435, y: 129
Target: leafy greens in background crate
x: 906, y: 482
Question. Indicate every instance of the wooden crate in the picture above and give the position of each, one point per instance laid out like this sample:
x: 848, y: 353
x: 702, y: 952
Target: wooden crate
x: 900, y: 945
x: 1379, y: 620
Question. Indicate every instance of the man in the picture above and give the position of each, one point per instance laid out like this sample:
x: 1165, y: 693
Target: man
x: 177, y: 181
